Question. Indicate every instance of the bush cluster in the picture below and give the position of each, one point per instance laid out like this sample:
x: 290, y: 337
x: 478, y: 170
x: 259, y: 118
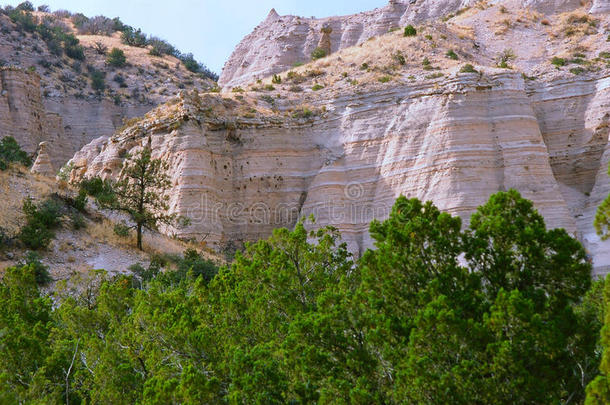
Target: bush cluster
x: 116, y: 57
x: 10, y: 152
x: 41, y: 221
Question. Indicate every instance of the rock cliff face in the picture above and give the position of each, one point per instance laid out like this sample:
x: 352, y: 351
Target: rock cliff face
x: 454, y: 145
x: 279, y: 42
x: 451, y: 115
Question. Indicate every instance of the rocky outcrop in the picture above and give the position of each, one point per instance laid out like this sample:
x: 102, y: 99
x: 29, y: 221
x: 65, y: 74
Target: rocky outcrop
x: 454, y: 145
x: 279, y: 42
x: 42, y: 165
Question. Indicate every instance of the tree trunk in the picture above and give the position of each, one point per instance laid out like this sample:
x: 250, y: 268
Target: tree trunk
x: 139, y: 231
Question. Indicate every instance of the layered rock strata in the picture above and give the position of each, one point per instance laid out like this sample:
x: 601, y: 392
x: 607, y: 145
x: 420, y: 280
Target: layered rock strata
x: 238, y: 178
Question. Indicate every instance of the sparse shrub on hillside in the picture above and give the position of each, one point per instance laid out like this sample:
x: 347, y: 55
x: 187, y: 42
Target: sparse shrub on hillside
x: 116, y: 57
x: 303, y: 113
x: 97, y: 80
x: 41, y: 220
x: 118, y: 78
x: 62, y: 13
x: 604, y: 55
x: 468, y: 68
x: 74, y: 51
x: 100, y: 48
x: 23, y: 20
x: 318, y: 53
x: 98, y: 25
x: 506, y: 56
x: 277, y: 79
x: 269, y: 87
x: 410, y: 31
x: 10, y: 152
x: 399, y: 58
x: 384, y: 79
x: 133, y: 37
x: 577, y: 70
x: 78, y: 20
x: 317, y: 87
x: 557, y: 61
x: 161, y: 47
x: 451, y: 54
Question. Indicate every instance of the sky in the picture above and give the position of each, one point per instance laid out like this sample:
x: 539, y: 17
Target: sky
x: 210, y: 29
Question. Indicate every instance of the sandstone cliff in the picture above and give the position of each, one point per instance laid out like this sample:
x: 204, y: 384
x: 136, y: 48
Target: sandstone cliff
x: 452, y: 115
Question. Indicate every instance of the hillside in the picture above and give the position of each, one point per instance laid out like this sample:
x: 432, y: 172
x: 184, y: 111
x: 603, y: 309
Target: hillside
x: 68, y: 82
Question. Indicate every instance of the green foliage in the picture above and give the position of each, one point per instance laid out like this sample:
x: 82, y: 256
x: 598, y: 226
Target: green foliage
x: 598, y: 391
x: 41, y: 271
x: 468, y: 68
x: 133, y: 37
x: 277, y: 79
x: 384, y: 79
x: 452, y: 55
x: 41, y: 220
x: 10, y: 152
x: 98, y: 82
x: 99, y: 189
x: 410, y: 31
x: 557, y: 61
x: 318, y: 53
x: 116, y: 57
x: 500, y: 312
x: 602, y: 218
x: 317, y: 87
x: 140, y: 193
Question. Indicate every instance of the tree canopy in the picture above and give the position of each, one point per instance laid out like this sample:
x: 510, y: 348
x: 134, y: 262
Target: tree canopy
x: 502, y: 311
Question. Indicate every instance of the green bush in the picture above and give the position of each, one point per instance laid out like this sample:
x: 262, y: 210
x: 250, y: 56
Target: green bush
x: 121, y: 230
x: 452, y: 55
x: 558, y: 61
x: 41, y: 220
x: 194, y: 266
x: 577, y: 70
x: 317, y: 87
x: 41, y: 272
x: 116, y: 57
x: 10, y: 152
x: 384, y: 79
x: 133, y: 37
x: 468, y: 68
x: 318, y: 53
x: 277, y: 79
x: 99, y: 189
x: 410, y: 31
x: 97, y: 80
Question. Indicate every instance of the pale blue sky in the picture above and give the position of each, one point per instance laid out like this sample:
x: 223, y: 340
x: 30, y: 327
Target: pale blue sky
x: 209, y: 29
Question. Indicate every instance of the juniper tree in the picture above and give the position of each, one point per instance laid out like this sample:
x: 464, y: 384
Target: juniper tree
x: 140, y: 193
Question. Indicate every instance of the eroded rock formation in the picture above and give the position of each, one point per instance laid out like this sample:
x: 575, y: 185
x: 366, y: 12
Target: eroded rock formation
x: 42, y: 165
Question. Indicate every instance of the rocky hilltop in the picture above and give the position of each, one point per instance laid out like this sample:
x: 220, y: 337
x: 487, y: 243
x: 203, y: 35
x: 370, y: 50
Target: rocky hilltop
x: 451, y: 114
x: 49, y: 62
x: 280, y: 42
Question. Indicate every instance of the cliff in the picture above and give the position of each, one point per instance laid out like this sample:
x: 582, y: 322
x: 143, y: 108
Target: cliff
x: 451, y: 115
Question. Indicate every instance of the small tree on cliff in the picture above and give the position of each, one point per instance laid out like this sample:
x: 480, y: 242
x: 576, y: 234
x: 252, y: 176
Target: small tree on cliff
x: 140, y: 192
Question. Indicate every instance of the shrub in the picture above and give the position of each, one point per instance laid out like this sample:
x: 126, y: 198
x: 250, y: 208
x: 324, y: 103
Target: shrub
x: 100, y: 48
x: 98, y: 25
x: 121, y: 230
x: 161, y: 47
x: 302, y: 113
x: 99, y: 189
x: 116, y: 57
x: 23, y: 20
x: 41, y: 272
x: 318, y: 53
x: 577, y: 70
x: 193, y: 266
x: 410, y: 31
x: 604, y: 55
x: 558, y: 61
x: 399, y: 58
x: 506, y: 56
x: 97, y: 81
x: 451, y: 54
x: 277, y: 79
x: 133, y: 37
x: 79, y: 19
x: 74, y: 51
x: 10, y: 151
x: 317, y: 87
x: 468, y: 68
x: 269, y: 87
x: 77, y: 221
x: 41, y: 220
x: 384, y: 79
